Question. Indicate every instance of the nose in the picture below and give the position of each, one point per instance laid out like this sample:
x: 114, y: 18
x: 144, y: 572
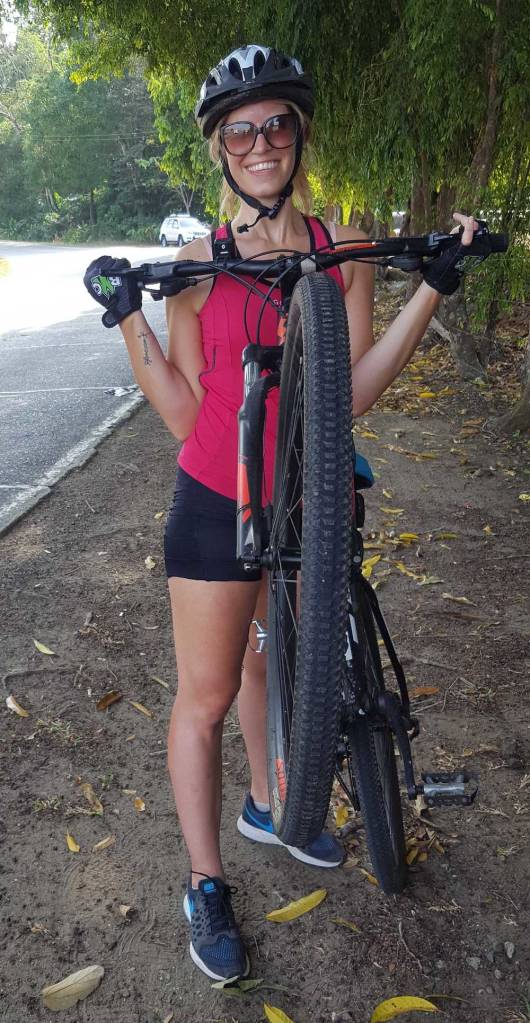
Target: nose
x: 261, y: 145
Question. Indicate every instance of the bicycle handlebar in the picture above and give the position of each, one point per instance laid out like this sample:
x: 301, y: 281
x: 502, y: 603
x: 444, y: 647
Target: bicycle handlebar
x: 405, y: 253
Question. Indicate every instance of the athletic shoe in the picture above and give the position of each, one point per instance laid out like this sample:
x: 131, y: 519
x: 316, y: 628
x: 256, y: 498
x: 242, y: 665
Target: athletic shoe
x: 324, y: 851
x: 216, y: 945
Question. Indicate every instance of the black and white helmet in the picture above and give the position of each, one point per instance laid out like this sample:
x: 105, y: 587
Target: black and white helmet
x: 252, y: 73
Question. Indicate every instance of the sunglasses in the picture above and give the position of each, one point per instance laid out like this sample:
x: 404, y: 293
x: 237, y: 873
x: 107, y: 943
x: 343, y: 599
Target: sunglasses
x: 280, y: 131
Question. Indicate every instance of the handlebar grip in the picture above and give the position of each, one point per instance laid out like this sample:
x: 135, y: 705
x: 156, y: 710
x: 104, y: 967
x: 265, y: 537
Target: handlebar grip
x: 499, y: 242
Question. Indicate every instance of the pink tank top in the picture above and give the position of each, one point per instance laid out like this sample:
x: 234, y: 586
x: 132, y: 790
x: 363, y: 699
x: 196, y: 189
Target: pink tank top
x: 209, y: 454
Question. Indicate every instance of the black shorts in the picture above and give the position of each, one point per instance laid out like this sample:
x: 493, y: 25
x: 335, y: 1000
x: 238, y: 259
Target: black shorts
x: 200, y: 536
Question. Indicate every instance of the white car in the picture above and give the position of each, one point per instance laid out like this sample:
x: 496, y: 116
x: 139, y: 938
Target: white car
x: 179, y: 228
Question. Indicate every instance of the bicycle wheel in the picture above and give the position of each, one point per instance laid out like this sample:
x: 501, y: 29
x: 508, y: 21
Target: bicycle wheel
x: 309, y: 563
x: 373, y: 761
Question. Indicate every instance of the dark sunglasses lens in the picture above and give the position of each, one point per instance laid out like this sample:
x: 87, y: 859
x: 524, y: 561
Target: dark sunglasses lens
x: 239, y: 137
x: 282, y: 130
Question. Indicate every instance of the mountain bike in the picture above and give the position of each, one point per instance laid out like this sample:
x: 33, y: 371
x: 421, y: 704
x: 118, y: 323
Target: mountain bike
x: 330, y: 711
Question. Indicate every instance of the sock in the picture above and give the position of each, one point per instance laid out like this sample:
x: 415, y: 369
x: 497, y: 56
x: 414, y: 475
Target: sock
x: 262, y: 807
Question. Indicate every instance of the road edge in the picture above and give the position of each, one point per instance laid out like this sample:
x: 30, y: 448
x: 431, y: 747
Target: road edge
x: 74, y: 459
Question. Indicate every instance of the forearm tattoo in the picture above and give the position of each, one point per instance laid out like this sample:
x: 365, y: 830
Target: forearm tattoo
x: 144, y: 337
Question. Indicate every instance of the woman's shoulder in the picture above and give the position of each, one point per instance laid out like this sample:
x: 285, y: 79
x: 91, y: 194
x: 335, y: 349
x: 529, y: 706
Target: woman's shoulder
x: 345, y: 232
x: 193, y: 299
x: 199, y: 249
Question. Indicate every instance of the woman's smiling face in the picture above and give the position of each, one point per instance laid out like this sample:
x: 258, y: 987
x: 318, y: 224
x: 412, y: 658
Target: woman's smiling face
x: 264, y: 171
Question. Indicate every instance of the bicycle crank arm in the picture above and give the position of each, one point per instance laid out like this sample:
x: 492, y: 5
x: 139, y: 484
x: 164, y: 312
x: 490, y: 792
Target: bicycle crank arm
x: 449, y: 789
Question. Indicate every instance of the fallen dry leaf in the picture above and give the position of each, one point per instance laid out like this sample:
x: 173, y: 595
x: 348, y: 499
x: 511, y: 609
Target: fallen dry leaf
x: 104, y: 843
x: 91, y: 797
x: 44, y: 649
x: 155, y: 678
x: 346, y: 923
x: 159, y: 515
x: 275, y: 1015
x: 368, y: 565
x: 524, y: 497
x: 341, y: 816
x: 124, y: 910
x: 457, y: 600
x: 108, y: 699
x: 13, y: 704
x: 391, y: 511
x: 369, y: 877
x: 73, y: 988
x: 298, y: 908
x: 149, y: 562
x: 393, y: 1007
x: 71, y: 843
x: 139, y: 804
x: 141, y: 708
x: 424, y: 691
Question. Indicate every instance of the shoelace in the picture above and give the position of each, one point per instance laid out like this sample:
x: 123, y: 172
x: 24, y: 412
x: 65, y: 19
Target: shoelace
x: 218, y: 905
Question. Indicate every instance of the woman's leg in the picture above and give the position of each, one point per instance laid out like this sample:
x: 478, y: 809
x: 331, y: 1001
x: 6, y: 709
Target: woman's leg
x: 252, y: 705
x: 210, y: 625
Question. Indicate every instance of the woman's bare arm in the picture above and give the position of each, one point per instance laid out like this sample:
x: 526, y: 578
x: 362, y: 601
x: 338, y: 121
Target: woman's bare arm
x: 164, y: 386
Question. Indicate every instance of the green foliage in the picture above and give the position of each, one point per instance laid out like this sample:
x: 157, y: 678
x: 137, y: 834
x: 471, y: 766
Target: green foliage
x: 62, y: 142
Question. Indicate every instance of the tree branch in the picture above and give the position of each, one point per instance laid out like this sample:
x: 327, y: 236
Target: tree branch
x: 9, y: 117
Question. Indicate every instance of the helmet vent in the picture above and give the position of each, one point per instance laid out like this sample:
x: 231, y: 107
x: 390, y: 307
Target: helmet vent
x: 259, y: 61
x: 234, y: 68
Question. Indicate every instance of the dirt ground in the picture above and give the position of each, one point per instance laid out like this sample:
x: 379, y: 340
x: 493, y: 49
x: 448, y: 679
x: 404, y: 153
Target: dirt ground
x: 74, y: 578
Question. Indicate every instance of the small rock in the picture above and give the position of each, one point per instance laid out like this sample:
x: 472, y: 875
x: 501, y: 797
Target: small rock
x: 342, y: 1017
x: 490, y: 956
x: 509, y: 948
x: 473, y: 962
x: 497, y: 974
x: 440, y: 965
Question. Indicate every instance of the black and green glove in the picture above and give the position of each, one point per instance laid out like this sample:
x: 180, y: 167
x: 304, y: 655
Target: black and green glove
x: 119, y: 295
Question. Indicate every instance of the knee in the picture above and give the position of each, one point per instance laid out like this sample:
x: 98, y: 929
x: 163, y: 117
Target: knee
x: 204, y: 706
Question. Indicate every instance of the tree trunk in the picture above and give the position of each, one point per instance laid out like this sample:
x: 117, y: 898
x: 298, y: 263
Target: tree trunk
x: 452, y: 324
x: 485, y: 341
x: 482, y: 163
x: 92, y: 208
x: 445, y: 205
x: 366, y: 222
x: 50, y: 199
x: 518, y: 418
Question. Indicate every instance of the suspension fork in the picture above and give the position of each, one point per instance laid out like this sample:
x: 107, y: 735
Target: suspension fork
x: 252, y: 518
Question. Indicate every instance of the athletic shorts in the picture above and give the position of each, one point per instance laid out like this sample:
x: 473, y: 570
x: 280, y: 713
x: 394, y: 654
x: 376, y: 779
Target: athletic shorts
x: 200, y: 536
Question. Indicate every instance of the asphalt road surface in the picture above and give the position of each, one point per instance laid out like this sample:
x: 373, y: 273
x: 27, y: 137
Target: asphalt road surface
x: 62, y: 374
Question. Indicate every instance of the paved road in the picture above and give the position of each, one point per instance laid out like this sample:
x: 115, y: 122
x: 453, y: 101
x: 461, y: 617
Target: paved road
x: 59, y: 366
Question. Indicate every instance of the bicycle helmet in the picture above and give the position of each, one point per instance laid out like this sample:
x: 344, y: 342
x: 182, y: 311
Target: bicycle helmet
x: 254, y: 73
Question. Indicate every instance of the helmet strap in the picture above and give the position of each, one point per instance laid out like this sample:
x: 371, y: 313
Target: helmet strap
x: 264, y: 211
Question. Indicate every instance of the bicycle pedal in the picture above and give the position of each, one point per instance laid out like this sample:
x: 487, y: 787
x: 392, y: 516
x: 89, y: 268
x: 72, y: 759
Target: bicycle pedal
x: 449, y: 789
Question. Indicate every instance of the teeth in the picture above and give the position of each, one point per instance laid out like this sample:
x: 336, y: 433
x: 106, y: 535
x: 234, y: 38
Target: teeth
x: 262, y: 166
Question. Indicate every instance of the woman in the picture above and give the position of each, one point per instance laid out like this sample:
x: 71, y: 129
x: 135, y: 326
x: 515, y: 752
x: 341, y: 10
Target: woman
x: 255, y: 107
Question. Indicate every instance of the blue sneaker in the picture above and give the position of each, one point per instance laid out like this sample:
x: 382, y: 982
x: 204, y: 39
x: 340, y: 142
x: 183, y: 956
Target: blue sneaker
x: 216, y: 945
x: 324, y: 851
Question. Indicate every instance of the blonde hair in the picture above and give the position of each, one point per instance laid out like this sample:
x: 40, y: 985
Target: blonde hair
x: 229, y: 202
